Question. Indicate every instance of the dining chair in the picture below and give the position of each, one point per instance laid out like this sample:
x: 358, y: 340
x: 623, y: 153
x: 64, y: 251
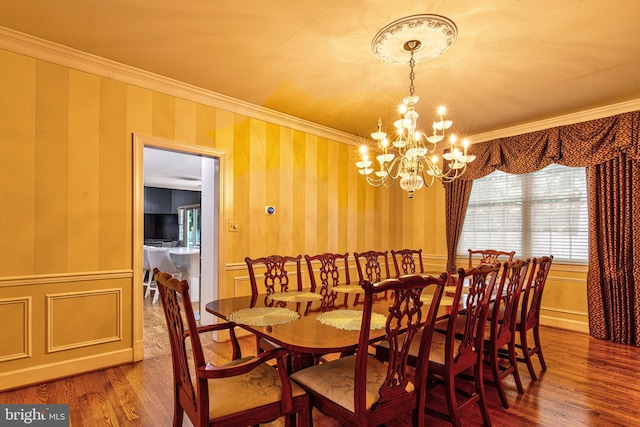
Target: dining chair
x: 453, y: 353
x: 404, y: 261
x: 161, y: 259
x: 529, y: 315
x: 277, y: 269
x: 326, y: 271
x: 372, y: 265
x: 501, y: 329
x: 362, y: 390
x: 489, y: 256
x: 245, y: 391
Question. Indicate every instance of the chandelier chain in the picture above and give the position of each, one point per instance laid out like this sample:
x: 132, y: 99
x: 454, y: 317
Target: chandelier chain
x: 412, y: 75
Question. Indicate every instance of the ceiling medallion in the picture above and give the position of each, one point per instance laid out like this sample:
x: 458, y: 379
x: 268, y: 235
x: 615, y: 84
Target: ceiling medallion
x: 435, y: 34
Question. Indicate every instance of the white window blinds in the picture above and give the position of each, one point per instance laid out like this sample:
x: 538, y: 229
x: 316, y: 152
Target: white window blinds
x: 541, y: 213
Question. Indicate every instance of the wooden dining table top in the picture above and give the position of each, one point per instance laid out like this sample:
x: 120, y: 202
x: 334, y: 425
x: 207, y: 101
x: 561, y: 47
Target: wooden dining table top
x: 306, y: 334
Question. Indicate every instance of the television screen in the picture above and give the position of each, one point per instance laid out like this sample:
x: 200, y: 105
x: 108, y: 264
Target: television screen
x: 161, y: 226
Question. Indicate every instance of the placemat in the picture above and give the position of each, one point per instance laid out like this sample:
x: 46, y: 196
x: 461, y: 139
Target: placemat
x: 350, y: 289
x: 445, y: 300
x: 350, y: 320
x: 263, y: 316
x: 295, y: 296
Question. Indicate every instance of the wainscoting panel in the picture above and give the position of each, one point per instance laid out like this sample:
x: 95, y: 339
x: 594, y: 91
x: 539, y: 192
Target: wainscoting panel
x: 96, y: 317
x: 16, y: 340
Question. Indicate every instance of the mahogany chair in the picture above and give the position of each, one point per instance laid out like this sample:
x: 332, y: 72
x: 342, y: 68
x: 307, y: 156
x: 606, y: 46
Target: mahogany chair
x: 405, y: 261
x: 276, y: 275
x: 362, y: 390
x: 501, y: 330
x: 326, y: 271
x: 453, y: 354
x: 276, y: 279
x: 529, y: 316
x: 489, y: 256
x: 372, y: 265
x: 246, y: 391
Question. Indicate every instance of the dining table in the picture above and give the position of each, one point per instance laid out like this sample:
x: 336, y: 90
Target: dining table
x: 309, y: 324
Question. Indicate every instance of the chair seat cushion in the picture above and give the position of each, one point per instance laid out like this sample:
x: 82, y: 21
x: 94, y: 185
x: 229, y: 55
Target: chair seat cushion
x: 259, y: 387
x: 436, y: 355
x: 335, y: 381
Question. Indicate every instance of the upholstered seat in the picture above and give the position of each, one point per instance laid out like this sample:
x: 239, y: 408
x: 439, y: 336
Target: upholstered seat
x: 335, y: 381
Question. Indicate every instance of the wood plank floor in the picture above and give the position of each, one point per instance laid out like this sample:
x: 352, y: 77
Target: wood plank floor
x: 589, y: 383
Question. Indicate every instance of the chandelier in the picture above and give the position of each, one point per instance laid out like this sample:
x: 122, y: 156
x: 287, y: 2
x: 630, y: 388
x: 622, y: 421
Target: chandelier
x: 415, y: 163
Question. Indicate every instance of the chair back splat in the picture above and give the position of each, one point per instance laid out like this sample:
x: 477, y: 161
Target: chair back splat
x: 382, y: 389
x: 489, y: 256
x: 327, y: 271
x: 247, y: 391
x: 404, y: 261
x: 276, y: 275
x: 372, y: 265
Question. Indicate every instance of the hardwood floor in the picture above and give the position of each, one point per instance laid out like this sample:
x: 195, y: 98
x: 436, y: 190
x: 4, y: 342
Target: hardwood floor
x: 589, y: 383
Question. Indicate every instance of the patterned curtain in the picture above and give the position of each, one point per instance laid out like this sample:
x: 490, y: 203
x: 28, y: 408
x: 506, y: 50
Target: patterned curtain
x: 614, y: 269
x: 610, y: 150
x: 457, y: 198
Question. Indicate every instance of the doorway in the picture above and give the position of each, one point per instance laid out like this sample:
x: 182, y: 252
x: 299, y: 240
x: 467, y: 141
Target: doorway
x: 182, y: 172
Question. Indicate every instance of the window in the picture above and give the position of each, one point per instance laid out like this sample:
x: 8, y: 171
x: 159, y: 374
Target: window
x: 541, y: 213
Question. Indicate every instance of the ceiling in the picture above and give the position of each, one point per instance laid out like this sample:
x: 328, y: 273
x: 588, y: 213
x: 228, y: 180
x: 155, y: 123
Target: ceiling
x: 514, y: 61
x: 169, y: 169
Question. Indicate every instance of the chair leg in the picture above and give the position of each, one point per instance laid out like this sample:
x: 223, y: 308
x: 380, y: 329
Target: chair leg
x: 452, y: 403
x: 482, y: 400
x: 536, y: 338
x: 305, y: 418
x: 155, y: 295
x: 525, y: 353
x: 147, y: 285
x: 513, y: 360
x: 418, y: 418
x: 178, y: 414
x: 495, y: 371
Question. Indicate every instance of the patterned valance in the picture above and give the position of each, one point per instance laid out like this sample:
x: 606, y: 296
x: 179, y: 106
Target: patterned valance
x: 579, y: 145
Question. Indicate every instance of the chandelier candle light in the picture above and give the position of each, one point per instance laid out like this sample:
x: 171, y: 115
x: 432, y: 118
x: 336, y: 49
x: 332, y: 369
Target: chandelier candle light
x: 415, y: 164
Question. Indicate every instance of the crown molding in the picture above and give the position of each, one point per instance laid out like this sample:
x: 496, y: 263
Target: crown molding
x: 55, y: 53
x: 567, y: 119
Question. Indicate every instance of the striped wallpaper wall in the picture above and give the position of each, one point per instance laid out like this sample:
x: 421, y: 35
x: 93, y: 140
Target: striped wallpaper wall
x: 68, y: 135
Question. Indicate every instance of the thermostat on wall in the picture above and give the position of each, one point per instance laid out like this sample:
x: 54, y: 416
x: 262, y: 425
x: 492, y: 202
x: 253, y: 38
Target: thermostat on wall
x: 270, y: 210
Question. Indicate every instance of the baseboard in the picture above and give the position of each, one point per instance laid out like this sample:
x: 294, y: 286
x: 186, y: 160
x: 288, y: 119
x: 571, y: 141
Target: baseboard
x: 571, y: 325
x: 52, y: 371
